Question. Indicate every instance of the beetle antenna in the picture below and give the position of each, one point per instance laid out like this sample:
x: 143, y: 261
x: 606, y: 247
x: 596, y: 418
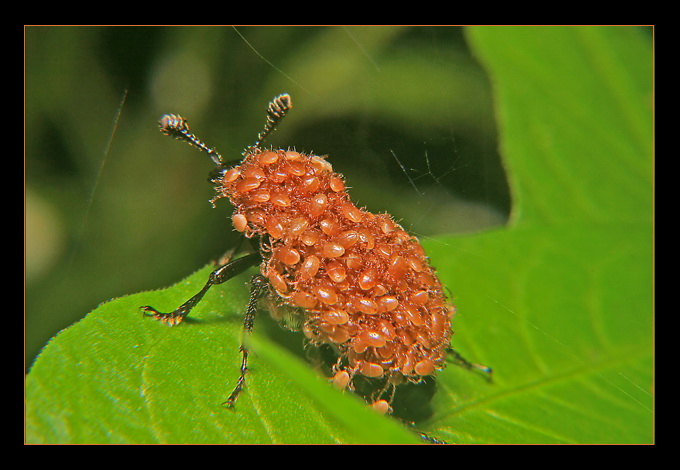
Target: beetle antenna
x: 277, y: 110
x: 176, y: 126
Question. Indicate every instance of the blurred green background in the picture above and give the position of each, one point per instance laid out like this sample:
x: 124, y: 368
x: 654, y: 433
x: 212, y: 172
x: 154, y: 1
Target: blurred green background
x: 113, y: 207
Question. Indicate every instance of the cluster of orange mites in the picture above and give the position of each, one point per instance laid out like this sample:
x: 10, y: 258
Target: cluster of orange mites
x: 366, y: 285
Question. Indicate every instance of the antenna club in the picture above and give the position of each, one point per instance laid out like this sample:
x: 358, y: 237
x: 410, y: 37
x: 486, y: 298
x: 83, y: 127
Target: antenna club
x: 173, y: 125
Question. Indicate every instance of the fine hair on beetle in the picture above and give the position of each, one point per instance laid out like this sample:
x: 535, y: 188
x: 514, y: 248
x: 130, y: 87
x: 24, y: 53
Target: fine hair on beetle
x: 363, y: 287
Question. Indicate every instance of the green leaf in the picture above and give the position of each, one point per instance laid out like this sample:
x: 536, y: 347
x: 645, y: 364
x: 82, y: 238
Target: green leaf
x: 559, y: 303
x: 117, y: 377
x: 574, y: 105
x: 564, y: 317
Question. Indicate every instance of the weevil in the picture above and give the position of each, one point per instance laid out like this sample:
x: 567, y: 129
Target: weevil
x: 363, y: 285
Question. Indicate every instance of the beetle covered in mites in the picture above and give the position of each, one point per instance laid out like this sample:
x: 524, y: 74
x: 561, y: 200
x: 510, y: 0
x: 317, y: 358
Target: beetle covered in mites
x: 363, y: 285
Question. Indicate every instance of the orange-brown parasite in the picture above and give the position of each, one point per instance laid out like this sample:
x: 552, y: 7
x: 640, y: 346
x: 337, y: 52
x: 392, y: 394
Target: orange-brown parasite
x: 364, y: 285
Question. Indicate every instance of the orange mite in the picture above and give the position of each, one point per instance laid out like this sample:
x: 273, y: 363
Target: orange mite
x: 364, y: 285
